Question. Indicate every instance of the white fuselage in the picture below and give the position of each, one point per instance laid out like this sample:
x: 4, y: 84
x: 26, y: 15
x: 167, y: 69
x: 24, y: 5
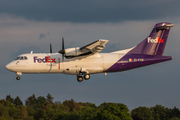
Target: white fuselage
x: 53, y: 63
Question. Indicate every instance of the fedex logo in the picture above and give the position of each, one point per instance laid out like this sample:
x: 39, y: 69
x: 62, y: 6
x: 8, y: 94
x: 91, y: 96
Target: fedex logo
x: 157, y: 40
x: 47, y: 59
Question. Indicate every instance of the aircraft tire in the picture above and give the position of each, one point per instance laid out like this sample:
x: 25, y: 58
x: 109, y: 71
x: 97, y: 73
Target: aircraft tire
x: 18, y: 78
x: 79, y: 78
x: 86, y: 76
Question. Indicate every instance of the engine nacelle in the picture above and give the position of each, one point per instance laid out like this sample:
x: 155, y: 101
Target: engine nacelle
x: 72, y: 51
x: 75, y: 52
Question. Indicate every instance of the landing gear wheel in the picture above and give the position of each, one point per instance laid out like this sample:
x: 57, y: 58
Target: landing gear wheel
x: 18, y: 77
x: 79, y: 78
x: 86, y: 77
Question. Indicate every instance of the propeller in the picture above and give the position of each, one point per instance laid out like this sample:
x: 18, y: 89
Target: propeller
x: 50, y: 48
x: 63, y: 50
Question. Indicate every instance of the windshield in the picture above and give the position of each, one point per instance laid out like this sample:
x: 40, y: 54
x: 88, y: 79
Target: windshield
x: 17, y: 58
x: 25, y: 58
x: 21, y: 58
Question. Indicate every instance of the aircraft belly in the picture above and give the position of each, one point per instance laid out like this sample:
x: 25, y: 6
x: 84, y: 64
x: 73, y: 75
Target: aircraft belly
x: 90, y: 65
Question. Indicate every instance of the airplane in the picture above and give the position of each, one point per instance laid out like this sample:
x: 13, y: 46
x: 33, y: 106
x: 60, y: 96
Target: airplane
x: 83, y: 61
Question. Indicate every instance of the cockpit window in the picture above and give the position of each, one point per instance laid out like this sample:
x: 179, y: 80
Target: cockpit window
x: 25, y: 58
x: 17, y: 58
x: 21, y: 58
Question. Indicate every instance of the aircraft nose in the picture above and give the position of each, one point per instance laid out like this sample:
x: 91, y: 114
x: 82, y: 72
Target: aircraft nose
x: 8, y: 67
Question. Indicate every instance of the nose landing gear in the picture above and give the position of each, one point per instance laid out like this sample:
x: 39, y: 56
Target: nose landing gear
x: 18, y: 78
x: 19, y: 74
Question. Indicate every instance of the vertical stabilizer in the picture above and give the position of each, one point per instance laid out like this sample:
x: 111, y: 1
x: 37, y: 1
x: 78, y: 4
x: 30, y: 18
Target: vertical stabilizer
x: 155, y: 43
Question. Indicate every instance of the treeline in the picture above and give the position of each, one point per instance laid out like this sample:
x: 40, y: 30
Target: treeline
x: 43, y: 108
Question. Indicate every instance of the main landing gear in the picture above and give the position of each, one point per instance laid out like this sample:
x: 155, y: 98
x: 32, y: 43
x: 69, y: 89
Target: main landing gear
x: 80, y: 78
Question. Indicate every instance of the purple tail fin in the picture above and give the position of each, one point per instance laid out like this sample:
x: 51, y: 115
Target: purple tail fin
x: 155, y: 43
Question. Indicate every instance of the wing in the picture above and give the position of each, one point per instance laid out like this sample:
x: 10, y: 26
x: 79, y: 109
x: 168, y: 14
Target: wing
x: 89, y: 49
x: 94, y: 47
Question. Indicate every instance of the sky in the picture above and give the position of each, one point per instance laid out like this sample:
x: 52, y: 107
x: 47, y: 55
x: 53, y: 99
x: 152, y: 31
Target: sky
x: 27, y: 26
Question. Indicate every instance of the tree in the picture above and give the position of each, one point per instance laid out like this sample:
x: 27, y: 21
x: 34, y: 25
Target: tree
x: 49, y: 98
x: 9, y: 98
x: 17, y: 101
x: 71, y: 116
x: 58, y: 105
x: 73, y: 106
x: 92, y: 105
x: 88, y: 113
x: 31, y: 111
x: 135, y: 117
x: 40, y: 100
x: 159, y: 112
x: 142, y: 113
x: 22, y: 112
x: 13, y: 112
x: 42, y: 106
x: 113, y: 111
x: 4, y: 102
x: 4, y: 111
x: 175, y: 112
x: 54, y: 114
x: 31, y: 100
x: 31, y: 105
x: 175, y: 118
x: 42, y: 103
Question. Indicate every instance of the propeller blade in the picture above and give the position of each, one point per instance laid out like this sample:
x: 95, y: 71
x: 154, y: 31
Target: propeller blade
x: 63, y: 44
x: 50, y: 48
x: 63, y: 57
x: 63, y: 50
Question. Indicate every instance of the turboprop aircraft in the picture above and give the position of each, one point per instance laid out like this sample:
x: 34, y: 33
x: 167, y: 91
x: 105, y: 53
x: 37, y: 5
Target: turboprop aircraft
x: 83, y: 61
